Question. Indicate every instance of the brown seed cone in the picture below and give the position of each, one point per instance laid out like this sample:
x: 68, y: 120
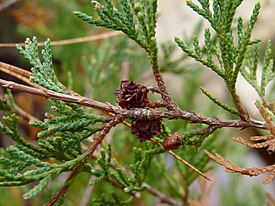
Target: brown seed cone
x: 145, y: 129
x: 172, y: 142
x: 131, y: 95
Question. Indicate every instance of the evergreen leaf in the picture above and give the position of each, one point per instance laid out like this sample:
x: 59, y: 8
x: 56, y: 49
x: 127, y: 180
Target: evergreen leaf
x: 43, y: 71
x: 20, y: 155
x: 267, y: 73
x: 244, y: 42
x: 38, y: 188
x: 136, y: 20
x: 185, y: 48
x: 219, y: 103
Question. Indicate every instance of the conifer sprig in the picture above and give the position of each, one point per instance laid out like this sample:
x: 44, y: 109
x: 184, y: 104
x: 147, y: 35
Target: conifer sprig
x: 24, y: 163
x: 251, y: 69
x: 115, y: 173
x: 219, y: 103
x: 230, y: 56
x: 61, y: 137
x: 43, y: 70
x: 136, y: 20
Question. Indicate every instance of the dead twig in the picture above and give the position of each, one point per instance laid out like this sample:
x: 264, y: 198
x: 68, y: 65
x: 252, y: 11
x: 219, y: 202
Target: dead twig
x: 54, y: 95
x: 69, y: 41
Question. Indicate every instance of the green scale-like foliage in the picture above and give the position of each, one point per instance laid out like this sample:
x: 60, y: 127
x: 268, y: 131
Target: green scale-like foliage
x: 116, y: 173
x: 136, y: 20
x: 23, y: 162
x: 251, y: 66
x: 60, y: 137
x: 44, y: 71
x: 230, y: 57
x: 67, y: 130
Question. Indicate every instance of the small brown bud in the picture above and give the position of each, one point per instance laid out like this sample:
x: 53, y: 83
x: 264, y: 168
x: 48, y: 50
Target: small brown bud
x: 172, y: 142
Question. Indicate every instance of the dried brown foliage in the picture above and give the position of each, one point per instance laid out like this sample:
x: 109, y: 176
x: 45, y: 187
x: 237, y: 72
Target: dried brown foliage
x: 265, y: 141
x: 254, y: 171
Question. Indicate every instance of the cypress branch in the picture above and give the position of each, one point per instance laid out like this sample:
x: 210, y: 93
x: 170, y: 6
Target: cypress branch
x: 71, y: 134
